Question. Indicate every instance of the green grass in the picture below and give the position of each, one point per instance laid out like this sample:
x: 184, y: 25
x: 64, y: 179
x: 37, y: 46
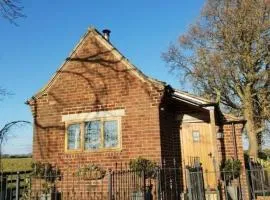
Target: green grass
x: 16, y: 164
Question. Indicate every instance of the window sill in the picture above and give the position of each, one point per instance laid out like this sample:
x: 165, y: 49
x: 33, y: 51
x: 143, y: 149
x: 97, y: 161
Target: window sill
x: 108, y: 150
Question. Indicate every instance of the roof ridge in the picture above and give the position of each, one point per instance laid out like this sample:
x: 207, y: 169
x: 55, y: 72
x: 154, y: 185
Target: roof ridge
x: 125, y: 58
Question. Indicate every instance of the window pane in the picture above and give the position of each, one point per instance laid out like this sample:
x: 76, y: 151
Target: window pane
x: 196, y: 136
x: 110, y: 133
x: 74, y: 136
x: 92, y: 135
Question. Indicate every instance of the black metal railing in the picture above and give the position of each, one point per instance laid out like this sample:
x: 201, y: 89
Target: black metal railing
x: 126, y: 184
x: 259, y: 182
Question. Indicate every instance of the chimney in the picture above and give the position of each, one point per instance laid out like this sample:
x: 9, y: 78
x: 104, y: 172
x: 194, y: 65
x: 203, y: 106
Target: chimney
x: 106, y: 34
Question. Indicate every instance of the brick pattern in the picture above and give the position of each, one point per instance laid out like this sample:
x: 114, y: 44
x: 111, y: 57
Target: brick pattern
x: 231, y: 147
x: 98, y: 82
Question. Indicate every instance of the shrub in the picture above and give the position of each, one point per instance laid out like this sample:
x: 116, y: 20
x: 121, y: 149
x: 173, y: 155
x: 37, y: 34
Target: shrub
x: 230, y: 169
x: 143, y: 165
x: 45, y: 171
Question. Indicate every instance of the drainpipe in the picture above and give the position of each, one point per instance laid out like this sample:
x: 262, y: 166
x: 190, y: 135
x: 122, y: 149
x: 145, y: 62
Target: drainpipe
x: 236, y: 156
x: 234, y: 141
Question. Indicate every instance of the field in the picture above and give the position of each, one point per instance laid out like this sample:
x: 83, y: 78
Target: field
x: 16, y: 164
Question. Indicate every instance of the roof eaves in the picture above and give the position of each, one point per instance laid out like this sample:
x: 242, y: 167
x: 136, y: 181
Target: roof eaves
x: 127, y: 61
x: 49, y: 83
x: 94, y: 30
x: 192, y: 98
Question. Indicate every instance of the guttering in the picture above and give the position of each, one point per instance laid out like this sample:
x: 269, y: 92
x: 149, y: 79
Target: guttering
x: 195, y: 103
x: 209, y: 104
x: 240, y: 121
x: 185, y: 100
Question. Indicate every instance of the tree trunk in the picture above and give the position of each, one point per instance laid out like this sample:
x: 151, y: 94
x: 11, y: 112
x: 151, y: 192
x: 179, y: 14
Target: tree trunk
x: 250, y: 125
x: 253, y: 143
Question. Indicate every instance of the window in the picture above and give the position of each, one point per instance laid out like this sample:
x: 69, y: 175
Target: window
x: 93, y: 131
x: 110, y: 134
x: 74, y: 138
x: 93, y: 135
x: 196, y: 136
x: 92, y: 138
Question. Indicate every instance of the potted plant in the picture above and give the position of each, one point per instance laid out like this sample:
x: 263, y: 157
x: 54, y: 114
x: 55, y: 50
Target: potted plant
x: 230, y: 172
x: 146, y: 168
x: 91, y: 172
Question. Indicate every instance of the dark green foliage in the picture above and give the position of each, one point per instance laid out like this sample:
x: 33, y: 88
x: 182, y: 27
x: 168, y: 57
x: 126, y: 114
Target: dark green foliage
x: 143, y: 165
x: 45, y: 171
x: 230, y: 169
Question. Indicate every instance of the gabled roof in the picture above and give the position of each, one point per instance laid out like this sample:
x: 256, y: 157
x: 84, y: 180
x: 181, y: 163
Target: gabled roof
x: 111, y: 48
x: 176, y: 94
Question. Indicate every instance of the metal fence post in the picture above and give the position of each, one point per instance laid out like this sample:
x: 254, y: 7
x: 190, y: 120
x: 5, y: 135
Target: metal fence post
x: 262, y: 181
x: 144, y: 184
x: 189, y: 185
x: 3, y: 186
x: 158, y: 184
x: 110, y: 185
x: 17, y: 186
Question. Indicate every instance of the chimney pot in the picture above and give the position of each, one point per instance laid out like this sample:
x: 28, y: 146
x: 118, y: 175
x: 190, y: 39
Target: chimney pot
x: 106, y: 34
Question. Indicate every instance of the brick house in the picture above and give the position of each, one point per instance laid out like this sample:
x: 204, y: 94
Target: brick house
x: 100, y: 108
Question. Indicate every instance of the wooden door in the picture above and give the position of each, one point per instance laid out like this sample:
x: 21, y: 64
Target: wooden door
x: 197, y: 147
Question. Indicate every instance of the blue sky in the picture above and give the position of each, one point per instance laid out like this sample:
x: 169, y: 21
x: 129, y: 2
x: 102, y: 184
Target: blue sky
x: 31, y: 52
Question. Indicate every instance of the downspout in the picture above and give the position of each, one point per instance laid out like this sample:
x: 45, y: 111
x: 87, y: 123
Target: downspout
x: 236, y: 155
x: 234, y: 141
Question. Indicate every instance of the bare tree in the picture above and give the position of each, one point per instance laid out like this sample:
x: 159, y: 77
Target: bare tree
x: 226, y: 56
x: 5, y: 131
x: 11, y: 10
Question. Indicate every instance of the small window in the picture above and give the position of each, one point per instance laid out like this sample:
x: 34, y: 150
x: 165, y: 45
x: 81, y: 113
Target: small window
x: 110, y: 134
x: 196, y: 136
x: 92, y: 138
x: 74, y: 137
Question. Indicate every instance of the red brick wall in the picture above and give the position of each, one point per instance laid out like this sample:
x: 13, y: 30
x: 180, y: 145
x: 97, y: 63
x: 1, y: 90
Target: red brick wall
x: 231, y: 147
x: 170, y: 140
x: 94, y: 80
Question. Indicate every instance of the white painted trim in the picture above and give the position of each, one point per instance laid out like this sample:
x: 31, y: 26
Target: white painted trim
x: 186, y: 101
x: 188, y: 118
x: 196, y: 100
x: 210, y: 108
x: 93, y: 115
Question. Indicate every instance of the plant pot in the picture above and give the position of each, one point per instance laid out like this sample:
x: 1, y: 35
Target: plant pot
x: 232, y: 191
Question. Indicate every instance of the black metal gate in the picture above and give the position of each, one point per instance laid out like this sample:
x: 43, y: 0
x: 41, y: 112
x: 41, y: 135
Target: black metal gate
x: 259, y: 180
x: 195, y: 184
x: 127, y: 184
